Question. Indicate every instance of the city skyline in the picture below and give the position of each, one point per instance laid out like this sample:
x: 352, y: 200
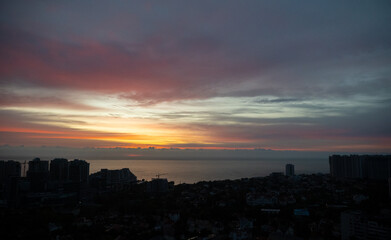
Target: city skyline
x: 308, y: 77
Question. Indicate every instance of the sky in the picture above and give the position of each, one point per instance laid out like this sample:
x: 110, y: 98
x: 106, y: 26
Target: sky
x: 280, y: 75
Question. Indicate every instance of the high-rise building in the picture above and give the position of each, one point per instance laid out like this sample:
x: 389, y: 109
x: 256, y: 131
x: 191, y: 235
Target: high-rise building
x: 346, y: 166
x: 120, y: 176
x: 112, y: 178
x: 158, y: 185
x: 79, y: 171
x: 9, y: 169
x: 357, y: 225
x: 289, y: 170
x: 10, y: 173
x: 59, y: 169
x: 36, y: 165
x: 360, y: 166
x: 389, y: 187
x: 378, y: 167
x: 38, y: 174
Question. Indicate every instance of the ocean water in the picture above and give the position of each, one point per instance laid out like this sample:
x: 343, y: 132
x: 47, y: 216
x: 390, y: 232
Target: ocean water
x: 191, y: 171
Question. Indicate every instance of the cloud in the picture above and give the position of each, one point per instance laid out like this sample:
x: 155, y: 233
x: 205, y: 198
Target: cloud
x: 239, y: 74
x: 247, y: 49
x: 140, y: 70
x: 277, y: 100
x: 30, y: 96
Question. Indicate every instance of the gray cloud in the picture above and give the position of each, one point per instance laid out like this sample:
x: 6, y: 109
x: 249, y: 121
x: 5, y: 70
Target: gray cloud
x: 328, y: 60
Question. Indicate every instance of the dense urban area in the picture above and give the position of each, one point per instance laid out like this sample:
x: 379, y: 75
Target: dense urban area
x: 66, y: 202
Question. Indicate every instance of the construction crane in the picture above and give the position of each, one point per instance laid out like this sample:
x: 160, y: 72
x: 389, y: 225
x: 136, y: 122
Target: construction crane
x: 160, y: 174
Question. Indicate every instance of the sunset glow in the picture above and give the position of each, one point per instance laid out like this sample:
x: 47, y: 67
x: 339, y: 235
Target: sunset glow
x: 198, y: 77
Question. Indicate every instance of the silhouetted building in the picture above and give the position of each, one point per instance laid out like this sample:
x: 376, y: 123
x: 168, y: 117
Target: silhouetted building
x: 346, y: 166
x: 378, y: 167
x: 112, y: 178
x: 59, y: 169
x: 119, y: 176
x: 10, y: 173
x: 9, y: 169
x: 289, y: 170
x: 356, y: 225
x: 79, y: 171
x: 157, y: 185
x: 389, y: 187
x: 360, y: 166
x: 38, y: 175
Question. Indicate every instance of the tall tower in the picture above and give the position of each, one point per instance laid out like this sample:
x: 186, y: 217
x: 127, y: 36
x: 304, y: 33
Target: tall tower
x: 38, y: 174
x: 79, y: 171
x: 289, y: 170
x: 59, y: 169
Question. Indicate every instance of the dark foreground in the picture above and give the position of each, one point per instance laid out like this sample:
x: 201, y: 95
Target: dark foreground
x: 274, y: 207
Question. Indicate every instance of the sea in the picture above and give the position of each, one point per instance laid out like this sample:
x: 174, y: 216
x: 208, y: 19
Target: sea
x: 192, y: 171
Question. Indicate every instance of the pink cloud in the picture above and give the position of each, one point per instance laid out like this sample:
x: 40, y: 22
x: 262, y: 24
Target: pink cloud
x: 160, y: 65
